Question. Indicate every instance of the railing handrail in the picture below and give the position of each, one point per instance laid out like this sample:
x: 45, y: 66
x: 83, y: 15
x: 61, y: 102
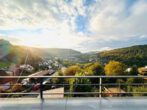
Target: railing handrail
x: 73, y: 77
x: 100, y: 84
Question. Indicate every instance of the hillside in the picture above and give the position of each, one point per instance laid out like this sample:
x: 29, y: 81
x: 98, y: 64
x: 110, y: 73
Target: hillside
x: 135, y: 55
x: 56, y: 52
x: 10, y: 54
x: 16, y: 54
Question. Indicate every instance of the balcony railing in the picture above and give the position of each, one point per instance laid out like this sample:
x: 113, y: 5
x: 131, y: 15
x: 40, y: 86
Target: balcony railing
x: 100, y: 85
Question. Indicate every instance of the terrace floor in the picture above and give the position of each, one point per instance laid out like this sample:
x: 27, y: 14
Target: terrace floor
x: 139, y: 103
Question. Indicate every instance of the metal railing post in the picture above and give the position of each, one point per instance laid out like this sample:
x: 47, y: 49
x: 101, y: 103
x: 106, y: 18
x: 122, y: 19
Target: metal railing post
x: 41, y: 89
x: 100, y: 87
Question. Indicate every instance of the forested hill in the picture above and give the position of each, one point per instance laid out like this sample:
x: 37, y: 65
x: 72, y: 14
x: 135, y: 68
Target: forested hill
x: 135, y: 55
x: 10, y: 54
x: 17, y: 54
x: 58, y: 52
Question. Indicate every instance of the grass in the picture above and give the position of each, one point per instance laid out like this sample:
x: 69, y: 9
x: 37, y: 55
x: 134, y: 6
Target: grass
x: 4, y: 64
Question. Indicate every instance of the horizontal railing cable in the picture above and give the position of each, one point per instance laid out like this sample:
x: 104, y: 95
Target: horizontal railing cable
x: 100, y: 84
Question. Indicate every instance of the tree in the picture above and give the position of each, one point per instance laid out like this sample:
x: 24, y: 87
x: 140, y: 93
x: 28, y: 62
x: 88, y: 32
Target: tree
x: 130, y: 81
x: 134, y: 70
x: 115, y: 68
x: 94, y: 69
x: 58, y: 80
x: 74, y: 87
x: 141, y: 89
x: 72, y: 70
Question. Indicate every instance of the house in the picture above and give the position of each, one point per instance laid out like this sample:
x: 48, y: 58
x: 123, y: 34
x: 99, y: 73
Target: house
x: 34, y: 83
x: 27, y: 67
x: 5, y: 83
x: 36, y: 80
x: 4, y: 80
x: 16, y: 70
x: 143, y: 70
x: 128, y: 70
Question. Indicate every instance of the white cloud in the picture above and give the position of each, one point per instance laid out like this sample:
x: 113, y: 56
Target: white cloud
x: 25, y: 14
x: 143, y: 36
x: 38, y: 13
x: 109, y: 20
x: 117, y: 21
x: 56, y: 37
x: 53, y: 18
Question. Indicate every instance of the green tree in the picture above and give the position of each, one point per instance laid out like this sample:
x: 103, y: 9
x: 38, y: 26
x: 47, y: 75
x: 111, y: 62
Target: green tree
x: 94, y: 69
x: 142, y: 89
x: 134, y: 70
x: 130, y: 81
x: 58, y: 80
x: 74, y: 87
x: 72, y: 70
x: 115, y: 68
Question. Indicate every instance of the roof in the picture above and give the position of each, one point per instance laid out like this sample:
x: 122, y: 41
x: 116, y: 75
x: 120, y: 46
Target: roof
x: 142, y: 70
x: 40, y: 73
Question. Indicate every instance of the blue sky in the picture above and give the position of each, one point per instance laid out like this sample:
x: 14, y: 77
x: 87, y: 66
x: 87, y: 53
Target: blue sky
x: 84, y: 25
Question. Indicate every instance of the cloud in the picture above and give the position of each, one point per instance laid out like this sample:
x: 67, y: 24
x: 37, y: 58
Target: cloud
x: 40, y: 13
x: 119, y: 21
x: 43, y: 23
x: 57, y: 37
x: 24, y: 14
x: 79, y: 24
